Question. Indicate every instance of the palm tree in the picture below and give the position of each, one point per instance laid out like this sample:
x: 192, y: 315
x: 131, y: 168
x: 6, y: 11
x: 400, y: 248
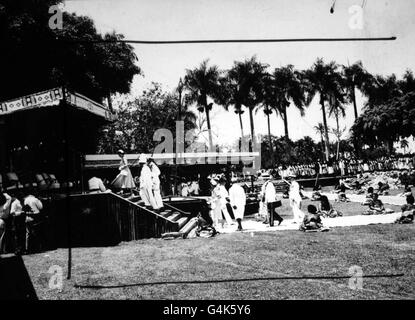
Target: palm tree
x: 319, y: 128
x: 230, y: 95
x: 404, y: 144
x: 265, y: 105
x: 248, y: 77
x: 325, y: 80
x: 381, y: 89
x: 337, y: 109
x: 287, y: 87
x: 407, y: 84
x: 203, y: 83
x: 355, y: 77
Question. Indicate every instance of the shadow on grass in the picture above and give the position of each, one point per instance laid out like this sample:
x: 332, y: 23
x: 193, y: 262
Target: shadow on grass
x: 234, y: 280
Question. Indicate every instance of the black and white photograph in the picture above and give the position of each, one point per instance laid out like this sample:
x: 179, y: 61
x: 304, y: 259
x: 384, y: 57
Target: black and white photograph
x: 208, y: 155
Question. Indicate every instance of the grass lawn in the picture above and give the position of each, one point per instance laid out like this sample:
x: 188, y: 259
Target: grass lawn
x: 377, y: 249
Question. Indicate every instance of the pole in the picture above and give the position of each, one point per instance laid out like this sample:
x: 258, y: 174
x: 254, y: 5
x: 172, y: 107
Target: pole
x: 68, y: 211
x: 179, y: 89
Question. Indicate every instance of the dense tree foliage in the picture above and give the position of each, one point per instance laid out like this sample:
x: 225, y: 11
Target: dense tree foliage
x: 140, y: 117
x: 33, y: 57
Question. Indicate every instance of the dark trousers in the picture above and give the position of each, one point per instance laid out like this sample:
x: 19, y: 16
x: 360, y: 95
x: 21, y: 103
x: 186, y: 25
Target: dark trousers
x: 20, y: 233
x: 272, y: 214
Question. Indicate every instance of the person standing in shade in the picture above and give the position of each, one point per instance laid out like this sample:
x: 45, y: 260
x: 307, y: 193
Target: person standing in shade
x: 268, y: 196
x: 19, y: 224
x: 155, y: 178
x: 5, y: 218
x: 34, y: 206
x: 237, y: 199
x: 146, y: 183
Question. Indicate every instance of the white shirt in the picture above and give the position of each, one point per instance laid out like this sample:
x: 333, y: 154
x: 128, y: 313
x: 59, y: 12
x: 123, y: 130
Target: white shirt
x: 5, y: 209
x: 237, y: 196
x: 223, y: 194
x: 16, y: 208
x: 96, y: 184
x: 268, y: 190
x: 145, y: 177
x: 155, y: 173
x: 194, y: 188
x: 34, y: 203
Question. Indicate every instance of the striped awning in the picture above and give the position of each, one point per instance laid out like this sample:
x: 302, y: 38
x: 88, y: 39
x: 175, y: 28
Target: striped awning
x: 53, y: 97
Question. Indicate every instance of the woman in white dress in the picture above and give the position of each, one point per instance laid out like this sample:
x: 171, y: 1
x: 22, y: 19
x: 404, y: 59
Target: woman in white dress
x: 237, y: 199
x: 124, y: 179
x: 295, y: 200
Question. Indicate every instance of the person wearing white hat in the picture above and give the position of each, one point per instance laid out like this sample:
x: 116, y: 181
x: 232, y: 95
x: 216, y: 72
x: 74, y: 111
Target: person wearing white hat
x: 237, y: 199
x: 146, y: 183
x: 124, y: 179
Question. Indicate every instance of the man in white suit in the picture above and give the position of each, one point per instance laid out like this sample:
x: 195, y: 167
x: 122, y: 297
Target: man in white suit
x: 224, y: 197
x: 237, y: 199
x: 146, y: 184
x: 155, y: 173
x: 268, y: 196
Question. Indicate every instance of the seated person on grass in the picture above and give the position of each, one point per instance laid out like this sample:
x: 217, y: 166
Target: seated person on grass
x: 407, y: 211
x: 326, y: 209
x: 375, y: 206
x: 383, y: 188
x: 369, y: 197
x: 341, y: 190
x: 312, y: 220
x: 315, y: 196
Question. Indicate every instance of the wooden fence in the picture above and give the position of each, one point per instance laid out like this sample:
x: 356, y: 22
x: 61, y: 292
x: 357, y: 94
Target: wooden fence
x: 104, y: 219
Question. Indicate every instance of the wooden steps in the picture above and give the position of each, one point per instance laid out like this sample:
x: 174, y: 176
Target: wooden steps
x: 175, y: 216
x: 182, y: 221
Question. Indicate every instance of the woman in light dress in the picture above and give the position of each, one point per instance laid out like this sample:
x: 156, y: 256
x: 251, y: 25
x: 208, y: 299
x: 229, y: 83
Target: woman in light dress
x: 124, y: 179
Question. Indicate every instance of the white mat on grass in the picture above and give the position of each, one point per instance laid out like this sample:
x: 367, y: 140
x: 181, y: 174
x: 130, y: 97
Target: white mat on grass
x: 359, y: 198
x: 359, y: 220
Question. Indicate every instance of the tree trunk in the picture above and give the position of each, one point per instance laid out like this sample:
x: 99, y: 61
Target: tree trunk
x: 209, y: 130
x: 242, y: 127
x: 251, y: 119
x: 326, y: 133
x: 338, y: 135
x: 109, y: 101
x: 285, y: 124
x: 270, y: 141
x: 354, y: 102
x: 322, y: 143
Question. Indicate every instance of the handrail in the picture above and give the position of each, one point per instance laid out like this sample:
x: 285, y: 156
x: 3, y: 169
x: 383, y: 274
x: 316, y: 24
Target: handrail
x: 133, y: 203
x: 176, y: 209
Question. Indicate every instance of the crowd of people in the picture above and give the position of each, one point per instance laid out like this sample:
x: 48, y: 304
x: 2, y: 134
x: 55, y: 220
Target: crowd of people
x: 20, y: 222
x: 341, y: 167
